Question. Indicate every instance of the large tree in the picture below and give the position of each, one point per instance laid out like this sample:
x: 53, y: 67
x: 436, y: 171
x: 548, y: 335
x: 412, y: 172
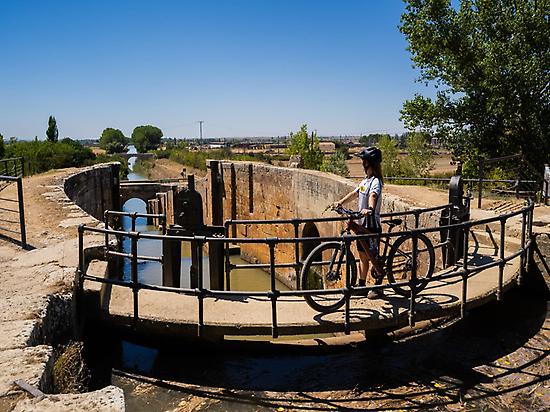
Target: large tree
x: 146, y: 138
x: 52, y: 133
x: 308, y: 148
x: 113, y: 140
x: 490, y: 63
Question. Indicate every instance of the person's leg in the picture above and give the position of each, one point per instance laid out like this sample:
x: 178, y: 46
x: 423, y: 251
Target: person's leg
x: 363, y: 267
x: 374, y: 245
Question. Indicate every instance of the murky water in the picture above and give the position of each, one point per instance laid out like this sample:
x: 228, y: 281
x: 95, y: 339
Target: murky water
x: 151, y: 272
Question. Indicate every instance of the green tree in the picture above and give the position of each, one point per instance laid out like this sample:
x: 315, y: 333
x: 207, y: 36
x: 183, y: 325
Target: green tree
x: 146, y: 138
x: 301, y: 144
x: 371, y: 139
x: 490, y: 61
x: 390, y: 156
x: 420, y: 156
x: 336, y: 163
x: 2, y: 148
x: 52, y: 133
x: 113, y: 140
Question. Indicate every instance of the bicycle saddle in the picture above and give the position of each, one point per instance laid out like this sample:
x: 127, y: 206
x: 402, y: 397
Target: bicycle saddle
x: 393, y: 222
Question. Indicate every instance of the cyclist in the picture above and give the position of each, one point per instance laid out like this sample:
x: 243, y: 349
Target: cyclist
x: 369, y: 193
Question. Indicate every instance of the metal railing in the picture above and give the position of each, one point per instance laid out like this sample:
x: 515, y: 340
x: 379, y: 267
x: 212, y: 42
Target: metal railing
x: 463, y: 270
x: 12, y: 167
x: 480, y: 183
x: 11, y: 171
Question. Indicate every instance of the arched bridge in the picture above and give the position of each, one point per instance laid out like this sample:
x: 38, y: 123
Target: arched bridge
x: 145, y: 189
x: 138, y: 155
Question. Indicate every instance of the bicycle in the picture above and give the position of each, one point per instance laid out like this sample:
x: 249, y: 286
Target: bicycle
x: 319, y: 274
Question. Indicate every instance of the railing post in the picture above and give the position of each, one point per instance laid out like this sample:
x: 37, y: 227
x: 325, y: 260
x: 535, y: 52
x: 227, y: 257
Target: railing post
x: 501, y: 257
x: 349, y: 286
x: 413, y: 282
x: 200, y: 240
x: 273, y: 294
x: 297, y: 264
x: 480, y: 184
x: 80, y: 253
x: 522, y: 245
x: 133, y: 216
x: 226, y: 225
x: 530, y: 212
x: 21, y: 212
x: 464, y: 272
x: 134, y: 275
x: 106, y: 225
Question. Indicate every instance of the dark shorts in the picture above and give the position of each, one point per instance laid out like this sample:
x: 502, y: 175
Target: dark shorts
x: 372, y: 243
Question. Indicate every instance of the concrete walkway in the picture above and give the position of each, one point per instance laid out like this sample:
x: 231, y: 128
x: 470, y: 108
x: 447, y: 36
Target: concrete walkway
x: 173, y: 314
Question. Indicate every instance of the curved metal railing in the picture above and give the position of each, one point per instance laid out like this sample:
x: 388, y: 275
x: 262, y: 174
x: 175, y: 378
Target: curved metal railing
x: 462, y: 270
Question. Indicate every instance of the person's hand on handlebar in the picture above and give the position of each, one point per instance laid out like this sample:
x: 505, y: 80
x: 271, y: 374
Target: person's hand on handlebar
x: 367, y: 211
x: 336, y: 205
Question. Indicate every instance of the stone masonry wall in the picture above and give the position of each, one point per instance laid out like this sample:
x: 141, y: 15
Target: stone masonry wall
x: 262, y: 191
x: 95, y: 189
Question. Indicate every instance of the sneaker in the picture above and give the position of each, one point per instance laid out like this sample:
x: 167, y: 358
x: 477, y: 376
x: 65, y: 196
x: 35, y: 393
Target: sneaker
x: 375, y: 294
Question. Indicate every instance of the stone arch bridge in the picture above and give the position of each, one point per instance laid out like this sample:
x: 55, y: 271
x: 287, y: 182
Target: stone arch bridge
x: 138, y: 155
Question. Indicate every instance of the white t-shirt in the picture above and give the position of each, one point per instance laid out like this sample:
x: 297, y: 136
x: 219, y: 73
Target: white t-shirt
x: 366, y: 187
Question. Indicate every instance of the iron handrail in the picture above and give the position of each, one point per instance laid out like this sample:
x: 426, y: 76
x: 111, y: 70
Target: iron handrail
x: 465, y: 272
x: 352, y: 237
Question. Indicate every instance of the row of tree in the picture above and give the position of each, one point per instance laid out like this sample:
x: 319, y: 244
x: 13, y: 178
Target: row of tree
x: 417, y: 163
x: 144, y: 138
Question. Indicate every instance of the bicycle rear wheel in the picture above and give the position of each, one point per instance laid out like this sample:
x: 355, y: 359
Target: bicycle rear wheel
x: 400, y: 262
x: 325, y: 268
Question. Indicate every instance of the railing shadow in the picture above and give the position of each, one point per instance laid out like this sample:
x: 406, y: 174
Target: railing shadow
x: 462, y: 362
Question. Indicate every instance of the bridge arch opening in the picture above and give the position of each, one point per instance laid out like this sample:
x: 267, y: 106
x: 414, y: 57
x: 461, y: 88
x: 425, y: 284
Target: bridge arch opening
x: 310, y: 230
x: 134, y: 204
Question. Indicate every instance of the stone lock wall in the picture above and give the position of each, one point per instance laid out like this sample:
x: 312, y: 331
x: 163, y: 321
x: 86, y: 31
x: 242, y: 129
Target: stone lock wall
x: 95, y: 189
x: 261, y: 191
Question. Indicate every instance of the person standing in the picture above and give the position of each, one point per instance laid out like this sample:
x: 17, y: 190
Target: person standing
x: 369, y: 194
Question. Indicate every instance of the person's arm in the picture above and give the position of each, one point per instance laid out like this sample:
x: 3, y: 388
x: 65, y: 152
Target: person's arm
x: 347, y: 197
x: 371, y: 204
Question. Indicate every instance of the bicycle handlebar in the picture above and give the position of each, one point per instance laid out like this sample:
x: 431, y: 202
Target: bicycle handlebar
x: 352, y: 214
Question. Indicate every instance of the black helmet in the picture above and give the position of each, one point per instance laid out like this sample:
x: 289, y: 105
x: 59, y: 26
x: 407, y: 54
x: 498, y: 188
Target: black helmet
x: 372, y: 154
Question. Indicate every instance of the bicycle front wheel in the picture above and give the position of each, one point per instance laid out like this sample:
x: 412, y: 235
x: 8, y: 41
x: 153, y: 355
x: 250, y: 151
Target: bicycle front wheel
x: 325, y: 268
x: 400, y: 262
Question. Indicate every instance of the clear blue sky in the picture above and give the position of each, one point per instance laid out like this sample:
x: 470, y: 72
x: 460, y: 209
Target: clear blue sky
x: 245, y: 67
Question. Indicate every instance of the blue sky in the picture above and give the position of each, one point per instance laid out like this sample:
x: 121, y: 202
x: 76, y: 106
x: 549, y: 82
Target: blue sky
x: 245, y: 67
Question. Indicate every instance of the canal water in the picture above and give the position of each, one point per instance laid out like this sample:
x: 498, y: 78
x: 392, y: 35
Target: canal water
x: 253, y: 279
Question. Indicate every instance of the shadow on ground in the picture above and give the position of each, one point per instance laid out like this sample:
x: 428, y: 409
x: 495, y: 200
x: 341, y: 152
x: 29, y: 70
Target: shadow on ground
x: 497, y: 353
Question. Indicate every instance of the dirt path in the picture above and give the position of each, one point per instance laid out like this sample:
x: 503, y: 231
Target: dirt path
x: 168, y: 169
x: 35, y: 286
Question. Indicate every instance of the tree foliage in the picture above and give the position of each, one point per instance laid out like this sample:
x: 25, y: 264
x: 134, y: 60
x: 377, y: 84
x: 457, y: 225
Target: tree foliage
x: 2, y: 147
x: 308, y: 148
x: 45, y: 155
x: 146, y: 138
x: 336, y: 163
x: 113, y: 140
x: 419, y: 158
x: 490, y: 62
x: 390, y: 156
x: 372, y: 139
x: 52, y: 133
